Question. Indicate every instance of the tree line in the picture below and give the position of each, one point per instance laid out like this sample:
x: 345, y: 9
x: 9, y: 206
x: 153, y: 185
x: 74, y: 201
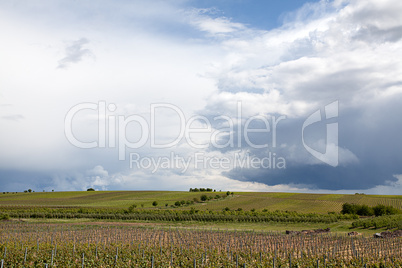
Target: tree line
x: 365, y: 210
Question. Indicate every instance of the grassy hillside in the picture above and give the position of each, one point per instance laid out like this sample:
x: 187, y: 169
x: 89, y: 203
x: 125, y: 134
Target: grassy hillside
x: 318, y: 203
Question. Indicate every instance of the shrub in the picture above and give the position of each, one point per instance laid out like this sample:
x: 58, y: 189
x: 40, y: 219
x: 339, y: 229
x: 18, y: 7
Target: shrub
x: 155, y: 203
x: 349, y: 208
x: 132, y: 207
x: 204, y: 197
x: 4, y: 216
x: 381, y: 210
x: 365, y: 210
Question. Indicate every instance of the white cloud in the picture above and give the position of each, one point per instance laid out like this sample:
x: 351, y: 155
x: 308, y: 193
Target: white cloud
x: 217, y: 25
x: 342, y: 50
x: 74, y: 53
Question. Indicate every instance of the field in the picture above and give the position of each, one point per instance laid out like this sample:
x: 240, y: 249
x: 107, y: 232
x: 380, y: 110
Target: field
x: 115, y: 245
x: 305, y: 203
x: 104, y: 229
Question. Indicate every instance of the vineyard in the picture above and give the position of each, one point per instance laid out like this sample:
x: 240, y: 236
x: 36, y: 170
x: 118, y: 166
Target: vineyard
x: 301, y: 202
x: 171, y: 215
x: 107, y: 245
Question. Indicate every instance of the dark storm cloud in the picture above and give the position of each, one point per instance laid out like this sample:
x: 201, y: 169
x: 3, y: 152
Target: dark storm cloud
x: 371, y: 133
x: 14, y: 180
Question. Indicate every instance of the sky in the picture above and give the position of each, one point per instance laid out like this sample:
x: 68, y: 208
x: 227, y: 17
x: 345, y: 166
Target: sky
x: 241, y: 95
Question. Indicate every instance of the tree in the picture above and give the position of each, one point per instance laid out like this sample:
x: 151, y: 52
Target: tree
x: 381, y: 210
x: 90, y: 189
x: 348, y: 209
x: 227, y: 193
x: 29, y: 190
x: 155, y: 203
x: 204, y: 197
x: 365, y: 210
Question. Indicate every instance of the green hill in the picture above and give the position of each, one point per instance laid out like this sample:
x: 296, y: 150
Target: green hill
x: 300, y: 202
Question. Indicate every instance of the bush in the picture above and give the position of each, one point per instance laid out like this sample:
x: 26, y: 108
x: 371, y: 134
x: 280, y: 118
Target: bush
x: 132, y: 207
x: 204, y: 197
x: 365, y: 210
x: 4, y: 216
x: 155, y: 203
x: 349, y: 208
x: 381, y: 210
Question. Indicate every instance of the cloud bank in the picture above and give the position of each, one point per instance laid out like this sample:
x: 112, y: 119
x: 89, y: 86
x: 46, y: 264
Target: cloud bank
x: 131, y: 55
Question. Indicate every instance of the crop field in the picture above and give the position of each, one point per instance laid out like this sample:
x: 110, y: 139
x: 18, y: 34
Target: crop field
x: 305, y: 203
x: 125, y: 229
x: 114, y: 245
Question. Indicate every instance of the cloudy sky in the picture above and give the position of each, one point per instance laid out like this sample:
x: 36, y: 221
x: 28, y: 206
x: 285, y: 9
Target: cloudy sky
x: 242, y: 95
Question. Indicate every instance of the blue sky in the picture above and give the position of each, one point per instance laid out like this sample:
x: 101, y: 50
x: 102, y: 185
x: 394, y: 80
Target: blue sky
x: 167, y: 95
x: 259, y: 14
